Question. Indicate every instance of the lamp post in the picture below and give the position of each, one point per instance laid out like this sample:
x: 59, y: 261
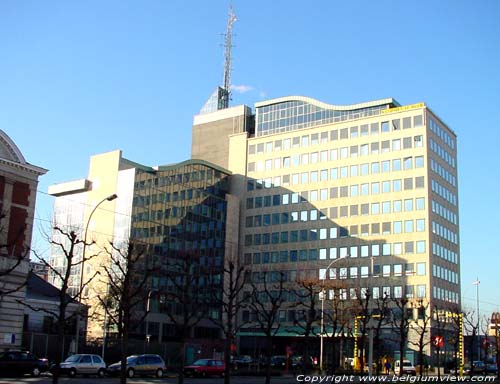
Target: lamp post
x: 322, y: 328
x: 109, y: 198
x: 476, y: 283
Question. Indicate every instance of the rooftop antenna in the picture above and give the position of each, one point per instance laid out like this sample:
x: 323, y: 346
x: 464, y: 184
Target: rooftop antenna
x: 219, y: 99
x: 227, y: 53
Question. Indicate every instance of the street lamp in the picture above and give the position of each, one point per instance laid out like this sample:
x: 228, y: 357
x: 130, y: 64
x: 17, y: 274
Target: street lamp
x: 476, y: 283
x: 322, y: 298
x: 109, y: 198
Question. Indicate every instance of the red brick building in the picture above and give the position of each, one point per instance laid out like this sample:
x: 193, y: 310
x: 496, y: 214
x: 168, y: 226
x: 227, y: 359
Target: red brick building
x: 18, y: 184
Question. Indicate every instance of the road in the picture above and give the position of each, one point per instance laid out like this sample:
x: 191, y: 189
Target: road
x: 288, y: 379
x: 93, y: 380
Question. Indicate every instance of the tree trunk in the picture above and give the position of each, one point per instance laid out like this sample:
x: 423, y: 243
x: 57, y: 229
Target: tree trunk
x: 123, y: 357
x: 180, y: 377
x: 227, y: 360
x: 269, y: 352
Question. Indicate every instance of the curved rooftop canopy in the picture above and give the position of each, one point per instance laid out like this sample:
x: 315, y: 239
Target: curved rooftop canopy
x: 298, y: 112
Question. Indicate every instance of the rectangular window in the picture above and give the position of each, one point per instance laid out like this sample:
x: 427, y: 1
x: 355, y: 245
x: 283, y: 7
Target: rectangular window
x: 396, y: 144
x: 397, y: 227
x: 421, y: 246
x: 421, y: 269
x: 398, y: 248
x: 419, y: 203
x: 334, y: 174
x: 408, y: 226
x: 408, y: 163
x: 364, y: 169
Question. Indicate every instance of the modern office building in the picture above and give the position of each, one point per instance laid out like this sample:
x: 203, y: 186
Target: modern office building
x: 374, y: 183
x: 177, y: 211
x: 18, y: 184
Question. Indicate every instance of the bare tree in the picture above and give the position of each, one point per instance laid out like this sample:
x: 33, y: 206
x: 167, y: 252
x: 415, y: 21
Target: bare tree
x: 401, y: 319
x: 231, y: 300
x: 337, y: 314
x: 66, y: 243
x: 381, y: 317
x: 126, y: 276
x: 189, y: 295
x: 471, y: 327
x: 267, y: 299
x: 305, y: 303
x: 421, y: 326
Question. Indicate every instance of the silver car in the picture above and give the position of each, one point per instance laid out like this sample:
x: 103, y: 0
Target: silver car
x: 140, y: 365
x: 84, y: 365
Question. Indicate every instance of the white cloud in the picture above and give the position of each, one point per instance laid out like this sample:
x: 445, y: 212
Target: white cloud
x: 241, y: 88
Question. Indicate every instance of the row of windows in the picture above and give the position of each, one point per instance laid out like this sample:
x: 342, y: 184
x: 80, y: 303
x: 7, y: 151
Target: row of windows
x: 332, y: 154
x: 442, y: 153
x: 282, y: 119
x: 441, y: 171
x: 444, y: 232
x: 444, y: 192
x: 354, y: 210
x: 209, y: 175
x: 444, y: 212
x: 444, y: 274
x: 445, y: 295
x: 444, y: 253
x: 216, y: 212
x: 441, y: 133
x: 282, y: 218
x: 365, y: 189
x: 384, y: 270
x: 354, y: 251
x: 355, y: 170
x: 284, y: 237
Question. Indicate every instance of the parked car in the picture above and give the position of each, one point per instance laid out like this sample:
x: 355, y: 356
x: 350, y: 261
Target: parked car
x: 140, y: 365
x: 300, y: 362
x: 205, y: 368
x: 478, y: 368
x: 408, y: 368
x: 241, y: 361
x: 278, y: 361
x: 491, y: 369
x: 20, y: 363
x: 83, y: 364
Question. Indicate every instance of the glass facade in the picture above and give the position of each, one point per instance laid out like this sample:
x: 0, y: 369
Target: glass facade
x: 296, y: 114
x: 180, y: 213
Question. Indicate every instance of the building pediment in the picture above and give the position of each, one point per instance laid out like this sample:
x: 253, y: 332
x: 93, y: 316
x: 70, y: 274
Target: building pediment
x: 9, y: 150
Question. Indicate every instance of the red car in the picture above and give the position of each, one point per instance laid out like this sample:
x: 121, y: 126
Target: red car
x: 205, y: 368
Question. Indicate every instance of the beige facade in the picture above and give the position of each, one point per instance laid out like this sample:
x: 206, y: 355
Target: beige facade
x: 81, y: 205
x: 374, y: 182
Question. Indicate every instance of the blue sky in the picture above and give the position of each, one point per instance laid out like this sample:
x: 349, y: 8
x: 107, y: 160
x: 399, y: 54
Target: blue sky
x: 80, y: 78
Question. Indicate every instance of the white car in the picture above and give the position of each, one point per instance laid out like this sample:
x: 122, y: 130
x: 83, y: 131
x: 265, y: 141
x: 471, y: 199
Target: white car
x: 408, y: 368
x: 84, y: 365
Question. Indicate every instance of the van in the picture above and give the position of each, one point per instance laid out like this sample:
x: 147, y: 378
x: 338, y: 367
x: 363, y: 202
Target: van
x: 408, y: 368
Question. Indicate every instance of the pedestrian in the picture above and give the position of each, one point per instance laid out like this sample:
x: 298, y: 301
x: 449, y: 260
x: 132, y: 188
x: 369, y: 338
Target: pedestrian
x: 387, y: 367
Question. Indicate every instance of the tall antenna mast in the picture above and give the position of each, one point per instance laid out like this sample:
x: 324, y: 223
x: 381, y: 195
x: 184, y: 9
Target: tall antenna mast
x: 227, y: 54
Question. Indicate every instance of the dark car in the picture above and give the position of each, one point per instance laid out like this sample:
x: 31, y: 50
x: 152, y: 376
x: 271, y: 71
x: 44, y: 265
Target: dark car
x: 205, y: 368
x: 491, y: 369
x: 20, y: 363
x: 278, y: 361
x: 140, y: 365
x: 241, y: 361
